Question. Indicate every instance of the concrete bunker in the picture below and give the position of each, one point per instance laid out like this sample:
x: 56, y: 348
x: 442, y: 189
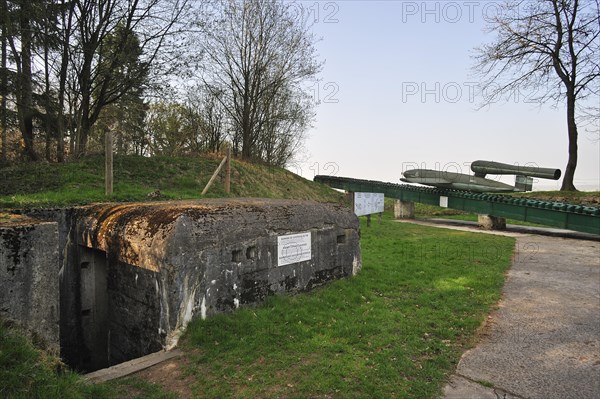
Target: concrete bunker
x: 134, y: 275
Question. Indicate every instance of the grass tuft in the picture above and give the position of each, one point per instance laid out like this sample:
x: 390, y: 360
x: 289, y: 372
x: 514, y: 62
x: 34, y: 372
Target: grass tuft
x: 30, y: 373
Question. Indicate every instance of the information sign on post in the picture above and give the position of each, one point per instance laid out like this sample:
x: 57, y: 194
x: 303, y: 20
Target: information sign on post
x: 443, y: 201
x: 368, y: 203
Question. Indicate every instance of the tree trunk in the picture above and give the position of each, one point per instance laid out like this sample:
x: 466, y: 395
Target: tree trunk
x: 108, y: 161
x: 82, y: 136
x: 50, y: 109
x: 3, y: 92
x: 83, y: 125
x: 26, y: 106
x: 246, y: 125
x: 60, y: 145
x: 246, y: 148
x: 567, y: 184
x: 48, y: 146
x: 83, y: 122
x: 246, y: 137
x: 64, y: 63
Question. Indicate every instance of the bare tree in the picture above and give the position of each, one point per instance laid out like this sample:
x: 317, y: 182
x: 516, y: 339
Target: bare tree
x: 257, y: 52
x: 66, y: 29
x: 552, y: 47
x: 3, y: 83
x: 284, y: 123
x: 169, y: 129
x: 207, y: 114
x: 150, y: 21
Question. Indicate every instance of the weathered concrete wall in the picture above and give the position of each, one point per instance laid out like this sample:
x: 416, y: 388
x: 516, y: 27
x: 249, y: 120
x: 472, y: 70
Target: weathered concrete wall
x: 29, y: 278
x: 169, y: 262
x: 70, y: 326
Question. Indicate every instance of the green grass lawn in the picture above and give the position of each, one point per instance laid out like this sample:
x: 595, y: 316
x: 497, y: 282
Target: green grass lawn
x: 397, y: 329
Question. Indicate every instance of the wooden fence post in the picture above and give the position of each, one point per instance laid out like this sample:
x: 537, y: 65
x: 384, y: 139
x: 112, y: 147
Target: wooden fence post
x: 228, y: 170
x: 108, y: 162
x: 214, y: 176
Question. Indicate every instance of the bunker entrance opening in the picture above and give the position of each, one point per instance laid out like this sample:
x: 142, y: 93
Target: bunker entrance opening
x: 115, y: 314
x: 94, y: 309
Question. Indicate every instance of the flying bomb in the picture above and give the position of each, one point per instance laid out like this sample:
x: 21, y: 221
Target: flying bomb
x: 478, y: 182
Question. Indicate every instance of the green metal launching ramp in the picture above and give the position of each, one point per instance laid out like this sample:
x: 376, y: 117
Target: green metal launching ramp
x: 556, y: 214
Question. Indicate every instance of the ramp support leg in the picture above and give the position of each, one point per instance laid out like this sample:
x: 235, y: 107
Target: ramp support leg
x: 489, y: 222
x: 404, y: 209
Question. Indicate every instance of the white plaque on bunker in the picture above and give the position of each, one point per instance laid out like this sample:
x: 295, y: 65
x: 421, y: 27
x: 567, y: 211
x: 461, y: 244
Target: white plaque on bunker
x: 293, y: 248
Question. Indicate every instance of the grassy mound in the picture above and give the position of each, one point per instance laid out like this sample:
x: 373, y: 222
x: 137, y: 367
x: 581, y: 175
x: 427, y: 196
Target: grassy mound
x: 142, y: 179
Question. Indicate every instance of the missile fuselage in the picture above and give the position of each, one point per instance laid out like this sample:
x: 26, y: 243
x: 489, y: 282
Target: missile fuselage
x: 482, y: 168
x: 456, y: 181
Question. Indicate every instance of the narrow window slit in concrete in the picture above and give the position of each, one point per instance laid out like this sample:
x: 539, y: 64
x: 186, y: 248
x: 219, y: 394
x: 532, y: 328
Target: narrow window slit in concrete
x: 236, y: 256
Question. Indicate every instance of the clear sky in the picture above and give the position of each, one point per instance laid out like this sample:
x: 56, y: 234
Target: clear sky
x: 397, y: 92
